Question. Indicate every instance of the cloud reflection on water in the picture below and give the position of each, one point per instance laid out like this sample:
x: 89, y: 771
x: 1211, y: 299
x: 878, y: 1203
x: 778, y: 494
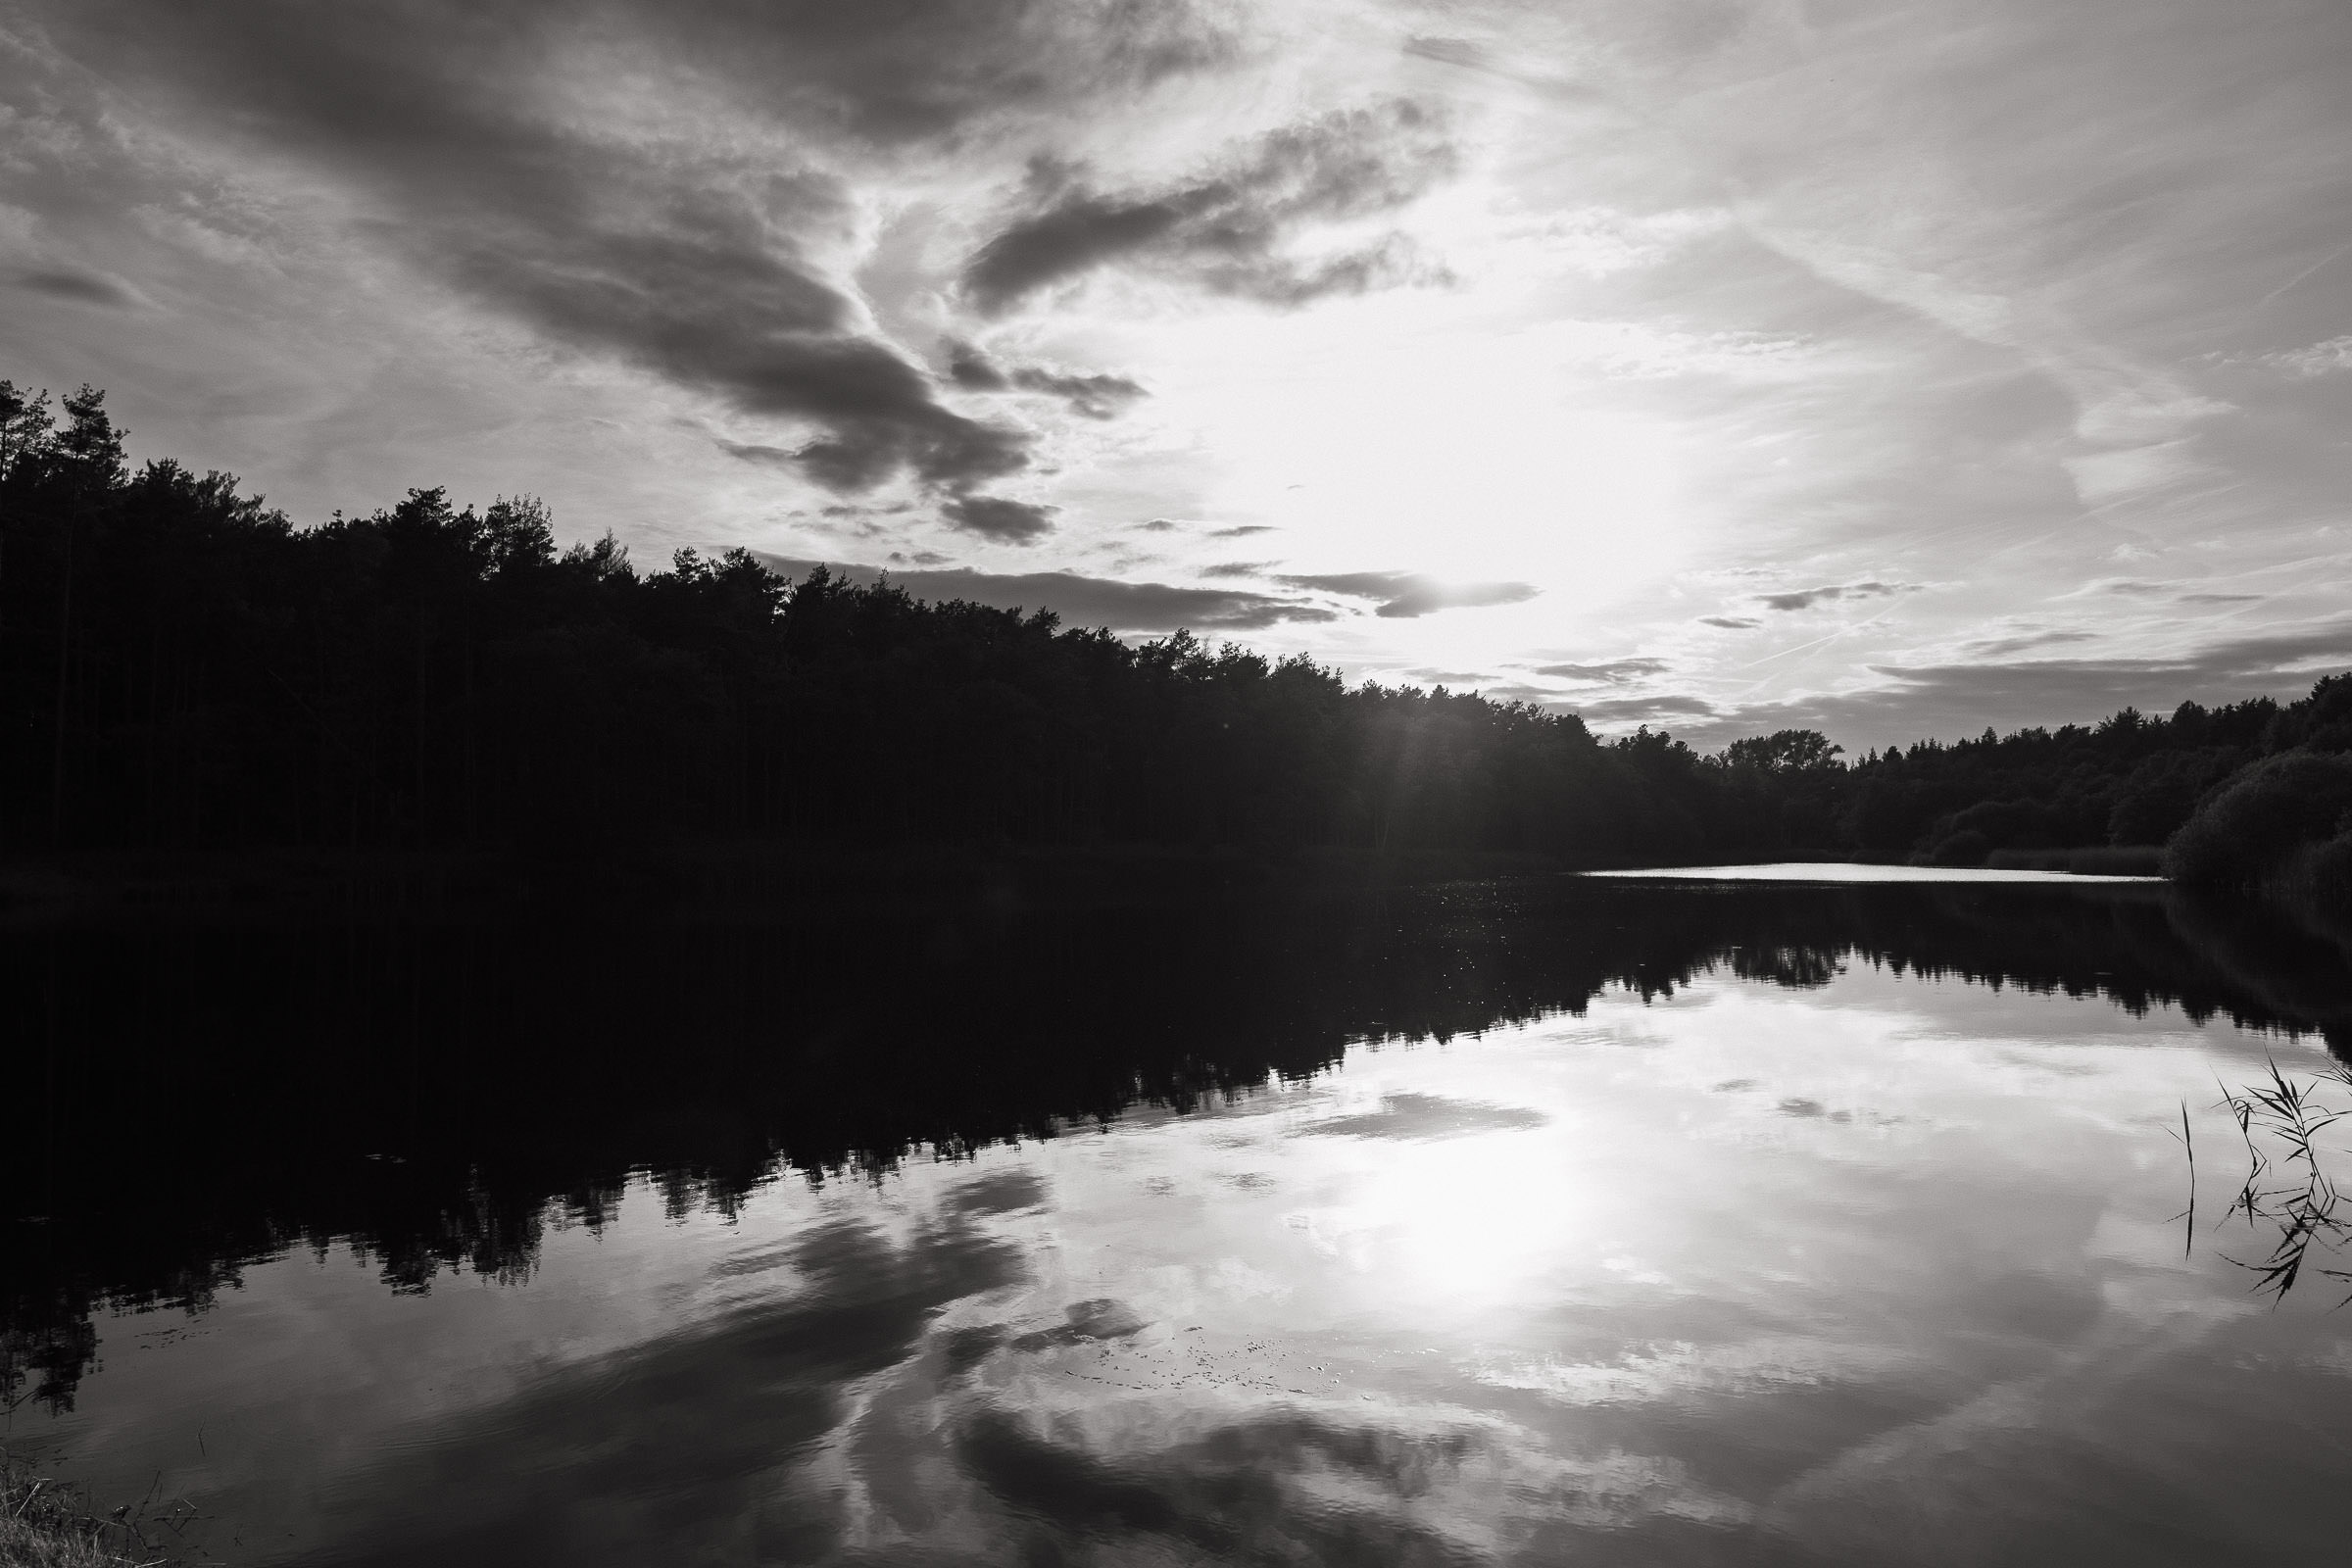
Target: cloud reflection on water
x: 1537, y: 1301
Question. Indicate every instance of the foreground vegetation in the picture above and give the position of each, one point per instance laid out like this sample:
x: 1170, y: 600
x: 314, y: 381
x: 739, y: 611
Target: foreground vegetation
x: 44, y: 1523
x: 184, y: 668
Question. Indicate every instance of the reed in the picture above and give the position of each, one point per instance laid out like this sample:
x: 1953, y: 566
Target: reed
x: 2288, y: 1190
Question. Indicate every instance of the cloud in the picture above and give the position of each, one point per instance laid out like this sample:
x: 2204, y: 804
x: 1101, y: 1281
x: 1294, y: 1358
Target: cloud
x: 1807, y: 598
x: 707, y: 1409
x: 2332, y: 358
x: 1915, y: 702
x: 1405, y: 596
x: 1730, y: 623
x: 81, y: 287
x: 1254, y: 1489
x: 1223, y: 231
x: 1644, y: 709
x: 2025, y: 642
x: 1016, y: 522
x: 1238, y: 569
x: 450, y: 131
x: 1128, y: 607
x: 1096, y: 397
x: 1243, y: 530
x: 2105, y: 475
x: 1615, y: 673
x: 2218, y: 599
x: 759, y: 451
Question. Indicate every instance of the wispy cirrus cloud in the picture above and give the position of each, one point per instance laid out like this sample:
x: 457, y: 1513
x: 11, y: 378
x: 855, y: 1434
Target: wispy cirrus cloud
x: 2334, y: 357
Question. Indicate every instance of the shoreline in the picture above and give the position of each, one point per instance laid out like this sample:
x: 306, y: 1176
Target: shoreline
x: 732, y: 878
x: 711, y: 878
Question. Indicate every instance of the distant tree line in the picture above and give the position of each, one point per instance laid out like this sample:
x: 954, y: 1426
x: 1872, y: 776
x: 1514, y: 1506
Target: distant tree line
x: 2128, y: 779
x: 180, y: 665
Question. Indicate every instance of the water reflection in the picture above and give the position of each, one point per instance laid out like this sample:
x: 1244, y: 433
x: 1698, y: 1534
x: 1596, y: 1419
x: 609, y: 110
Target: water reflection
x: 1747, y: 1225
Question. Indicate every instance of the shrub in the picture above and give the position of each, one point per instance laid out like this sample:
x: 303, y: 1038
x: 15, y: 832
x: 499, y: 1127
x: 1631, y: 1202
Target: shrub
x: 2252, y: 829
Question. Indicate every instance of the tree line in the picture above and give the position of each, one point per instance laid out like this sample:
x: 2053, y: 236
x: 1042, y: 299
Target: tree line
x: 180, y: 665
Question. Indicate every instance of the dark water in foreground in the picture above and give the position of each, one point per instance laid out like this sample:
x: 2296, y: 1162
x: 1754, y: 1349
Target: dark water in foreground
x: 1633, y: 1223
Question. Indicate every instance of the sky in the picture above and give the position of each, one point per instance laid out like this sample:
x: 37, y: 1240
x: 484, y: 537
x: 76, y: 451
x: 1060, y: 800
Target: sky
x: 1896, y: 369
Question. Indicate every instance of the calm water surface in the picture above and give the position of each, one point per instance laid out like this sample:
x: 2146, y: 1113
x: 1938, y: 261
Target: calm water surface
x: 1720, y: 1226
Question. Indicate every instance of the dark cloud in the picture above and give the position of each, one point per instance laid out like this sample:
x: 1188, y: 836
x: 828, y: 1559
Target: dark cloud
x: 1807, y: 598
x: 975, y: 372
x: 1508, y: 691
x: 1730, y: 623
x: 774, y: 457
x: 80, y: 287
x: 1130, y: 607
x: 900, y: 73
x: 1644, y: 709
x: 2218, y: 599
x: 1223, y: 231
x: 1450, y: 51
x: 1615, y: 673
x: 1097, y: 397
x: 1158, y: 525
x: 1016, y: 522
x: 1243, y: 530
x: 2025, y: 642
x: 1238, y: 569
x: 442, y: 121
x: 1404, y: 596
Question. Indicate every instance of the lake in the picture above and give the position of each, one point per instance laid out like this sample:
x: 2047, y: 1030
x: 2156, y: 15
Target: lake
x: 1644, y: 1222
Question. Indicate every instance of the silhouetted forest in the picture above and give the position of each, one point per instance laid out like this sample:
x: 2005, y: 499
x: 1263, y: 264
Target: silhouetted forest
x: 195, y: 1097
x: 181, y: 666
